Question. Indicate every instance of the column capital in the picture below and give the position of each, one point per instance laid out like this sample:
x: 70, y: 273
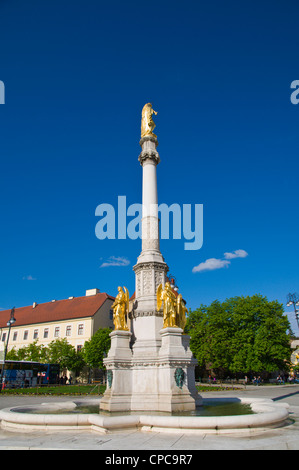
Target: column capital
x: 149, y: 152
x: 148, y: 138
x: 149, y: 155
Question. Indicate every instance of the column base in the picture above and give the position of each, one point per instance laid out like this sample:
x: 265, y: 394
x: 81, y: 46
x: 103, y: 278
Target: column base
x: 150, y: 379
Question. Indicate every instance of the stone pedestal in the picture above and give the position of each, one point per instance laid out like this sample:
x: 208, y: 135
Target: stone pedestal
x: 117, y: 396
x: 191, y: 371
x: 175, y: 373
x: 162, y: 383
x: 148, y: 381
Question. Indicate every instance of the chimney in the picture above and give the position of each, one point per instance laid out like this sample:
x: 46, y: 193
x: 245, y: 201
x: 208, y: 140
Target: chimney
x: 90, y: 292
x: 34, y: 304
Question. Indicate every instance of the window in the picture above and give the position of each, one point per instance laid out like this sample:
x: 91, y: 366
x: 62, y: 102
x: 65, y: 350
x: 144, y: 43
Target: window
x: 15, y: 335
x: 68, y: 330
x: 79, y: 347
x: 35, y: 334
x: 25, y: 335
x: 46, y: 333
x: 4, y: 337
x: 80, y: 329
x: 56, y: 331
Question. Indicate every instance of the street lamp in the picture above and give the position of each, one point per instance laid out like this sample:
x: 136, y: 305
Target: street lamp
x: 10, y: 322
x: 293, y: 299
x: 172, y: 281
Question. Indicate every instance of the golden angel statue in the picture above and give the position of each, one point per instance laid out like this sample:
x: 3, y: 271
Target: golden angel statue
x: 167, y: 297
x: 121, y: 309
x: 147, y: 123
x: 181, y: 312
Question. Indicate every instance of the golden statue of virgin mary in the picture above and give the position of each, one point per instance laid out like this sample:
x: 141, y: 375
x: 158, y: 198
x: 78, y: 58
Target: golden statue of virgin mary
x: 147, y: 123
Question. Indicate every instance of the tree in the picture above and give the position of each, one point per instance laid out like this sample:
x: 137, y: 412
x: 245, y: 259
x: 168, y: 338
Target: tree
x: 97, y: 347
x: 58, y: 351
x: 63, y: 353
x: 32, y: 352
x: 76, y: 361
x: 241, y: 334
x: 12, y: 355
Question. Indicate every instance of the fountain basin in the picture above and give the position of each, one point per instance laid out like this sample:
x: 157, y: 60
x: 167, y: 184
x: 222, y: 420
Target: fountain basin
x: 267, y: 414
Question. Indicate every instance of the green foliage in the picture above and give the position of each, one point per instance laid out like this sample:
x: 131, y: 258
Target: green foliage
x: 58, y: 352
x: 32, y: 352
x: 96, y: 348
x: 56, y: 390
x: 241, y: 334
x: 62, y: 353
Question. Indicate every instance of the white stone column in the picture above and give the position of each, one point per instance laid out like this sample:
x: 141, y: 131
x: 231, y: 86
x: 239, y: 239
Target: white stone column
x: 150, y: 270
x: 149, y: 159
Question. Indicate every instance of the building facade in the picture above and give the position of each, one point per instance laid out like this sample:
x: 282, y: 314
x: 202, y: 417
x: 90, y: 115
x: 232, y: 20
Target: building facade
x: 75, y: 318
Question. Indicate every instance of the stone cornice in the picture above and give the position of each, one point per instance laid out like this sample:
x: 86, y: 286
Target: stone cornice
x: 149, y: 154
x: 136, y: 314
x: 147, y: 138
x: 150, y: 265
x: 159, y: 362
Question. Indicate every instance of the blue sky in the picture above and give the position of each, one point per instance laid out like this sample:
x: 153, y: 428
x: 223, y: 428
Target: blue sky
x: 77, y: 75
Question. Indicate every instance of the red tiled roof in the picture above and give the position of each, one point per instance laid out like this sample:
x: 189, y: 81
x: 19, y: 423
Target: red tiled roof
x: 68, y: 309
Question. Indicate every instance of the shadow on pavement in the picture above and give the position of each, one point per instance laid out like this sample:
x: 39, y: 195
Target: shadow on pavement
x: 282, y: 397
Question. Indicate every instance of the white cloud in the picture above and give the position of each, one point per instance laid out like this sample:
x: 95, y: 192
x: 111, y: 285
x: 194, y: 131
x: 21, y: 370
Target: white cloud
x: 236, y: 254
x: 214, y: 263
x: 115, y: 261
x: 29, y: 278
x: 210, y: 265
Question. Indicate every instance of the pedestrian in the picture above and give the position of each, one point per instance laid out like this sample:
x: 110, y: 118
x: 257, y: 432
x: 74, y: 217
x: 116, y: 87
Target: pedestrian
x: 258, y: 381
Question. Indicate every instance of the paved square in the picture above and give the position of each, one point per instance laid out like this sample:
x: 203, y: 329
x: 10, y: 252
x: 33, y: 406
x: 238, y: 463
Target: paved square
x: 285, y: 438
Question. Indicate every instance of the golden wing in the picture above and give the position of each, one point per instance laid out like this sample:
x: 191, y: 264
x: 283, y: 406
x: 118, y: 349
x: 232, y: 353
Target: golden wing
x: 179, y: 303
x: 159, y: 297
x: 127, y: 299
